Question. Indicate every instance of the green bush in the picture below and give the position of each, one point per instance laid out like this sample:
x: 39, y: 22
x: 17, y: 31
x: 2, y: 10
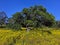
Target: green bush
x: 14, y: 26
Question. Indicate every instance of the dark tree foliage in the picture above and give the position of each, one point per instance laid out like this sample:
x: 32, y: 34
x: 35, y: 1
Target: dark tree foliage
x: 3, y: 19
x: 35, y: 16
x: 57, y: 24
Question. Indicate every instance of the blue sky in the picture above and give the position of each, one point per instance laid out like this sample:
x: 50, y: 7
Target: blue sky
x: 13, y: 6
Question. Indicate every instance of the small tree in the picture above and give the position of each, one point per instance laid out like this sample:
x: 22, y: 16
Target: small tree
x: 3, y: 19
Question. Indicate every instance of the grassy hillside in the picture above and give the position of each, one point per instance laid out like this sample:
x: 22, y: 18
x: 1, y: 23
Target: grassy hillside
x: 9, y: 37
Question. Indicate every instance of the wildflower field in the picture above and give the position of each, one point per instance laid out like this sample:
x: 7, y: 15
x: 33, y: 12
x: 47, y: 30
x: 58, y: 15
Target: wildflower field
x: 33, y: 37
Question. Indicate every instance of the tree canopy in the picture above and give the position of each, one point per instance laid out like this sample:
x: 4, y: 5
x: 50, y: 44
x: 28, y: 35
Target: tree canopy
x: 3, y: 18
x: 35, y: 16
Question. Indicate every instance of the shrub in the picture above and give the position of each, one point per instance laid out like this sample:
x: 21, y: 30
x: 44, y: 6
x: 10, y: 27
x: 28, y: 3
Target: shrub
x: 14, y: 26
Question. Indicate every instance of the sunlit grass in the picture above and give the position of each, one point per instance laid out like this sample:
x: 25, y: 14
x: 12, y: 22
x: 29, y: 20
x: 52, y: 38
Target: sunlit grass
x: 36, y: 37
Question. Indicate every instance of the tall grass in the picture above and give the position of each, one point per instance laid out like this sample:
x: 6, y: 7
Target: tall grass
x: 36, y: 37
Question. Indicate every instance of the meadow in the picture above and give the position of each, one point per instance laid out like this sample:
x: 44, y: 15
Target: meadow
x: 33, y: 37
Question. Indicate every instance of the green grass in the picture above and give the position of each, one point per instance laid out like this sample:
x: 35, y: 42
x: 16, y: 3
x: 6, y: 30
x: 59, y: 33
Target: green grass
x: 36, y: 37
